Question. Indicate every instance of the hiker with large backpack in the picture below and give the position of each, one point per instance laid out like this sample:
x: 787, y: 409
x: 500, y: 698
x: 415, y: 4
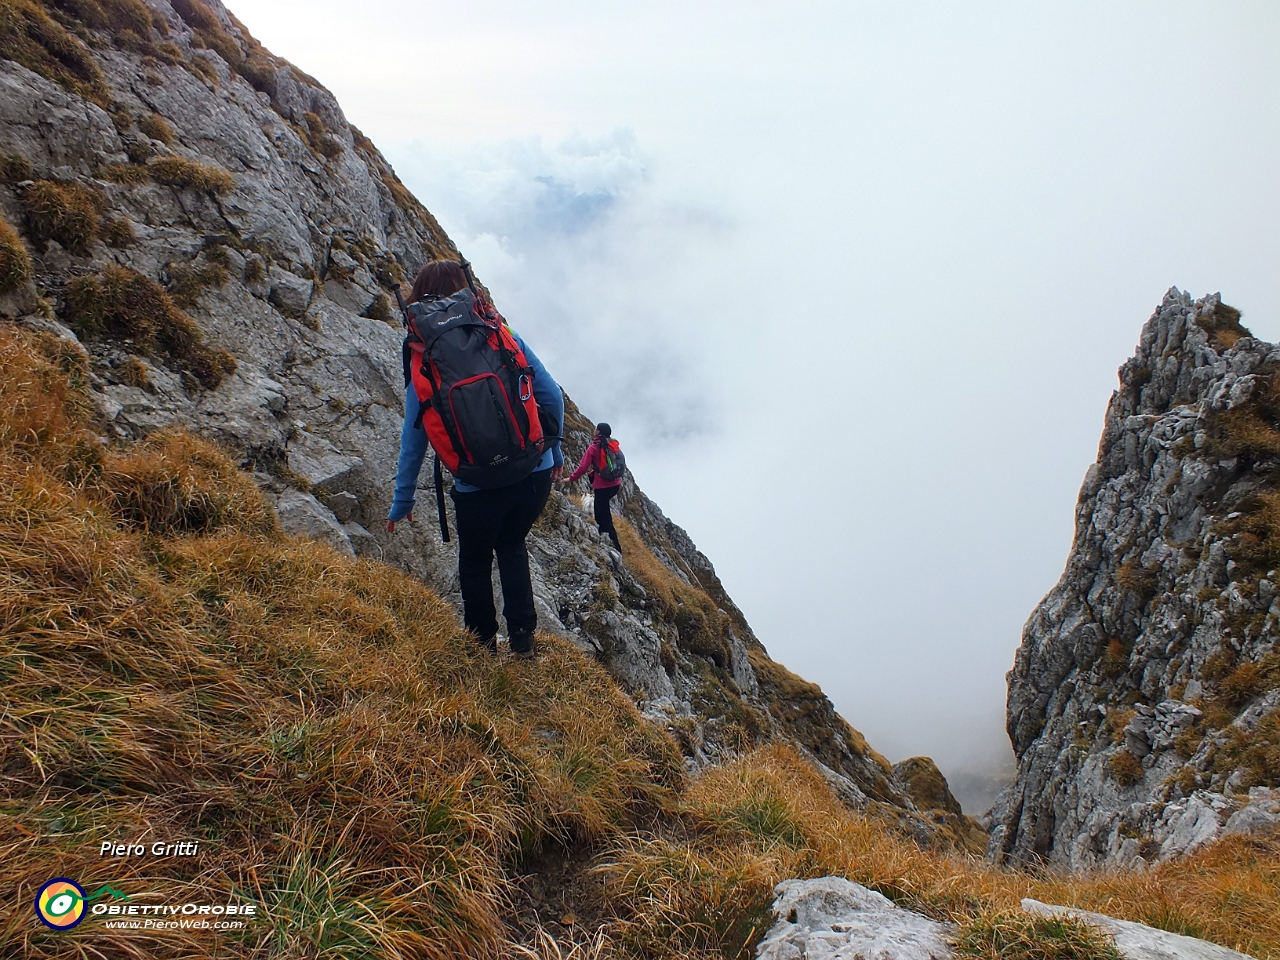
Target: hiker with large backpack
x: 484, y: 402
x: 607, y: 465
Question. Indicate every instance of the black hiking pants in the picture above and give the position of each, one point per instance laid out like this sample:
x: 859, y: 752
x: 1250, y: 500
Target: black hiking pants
x: 495, y: 522
x: 604, y: 519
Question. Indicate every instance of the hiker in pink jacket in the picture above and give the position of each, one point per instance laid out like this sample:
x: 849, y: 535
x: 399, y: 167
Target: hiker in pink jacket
x: 604, y: 488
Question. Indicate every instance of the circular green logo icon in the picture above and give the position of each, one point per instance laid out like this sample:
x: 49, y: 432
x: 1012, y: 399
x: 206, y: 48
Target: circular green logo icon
x: 60, y: 903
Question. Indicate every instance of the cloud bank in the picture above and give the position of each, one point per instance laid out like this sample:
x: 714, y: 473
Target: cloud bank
x: 590, y: 260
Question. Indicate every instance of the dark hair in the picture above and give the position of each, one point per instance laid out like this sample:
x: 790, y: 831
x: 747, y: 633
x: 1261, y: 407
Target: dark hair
x: 604, y: 430
x: 438, y: 278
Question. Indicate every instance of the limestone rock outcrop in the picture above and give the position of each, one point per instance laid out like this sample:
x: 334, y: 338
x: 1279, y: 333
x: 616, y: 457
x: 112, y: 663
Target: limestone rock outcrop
x: 834, y: 918
x: 1137, y: 941
x: 933, y: 798
x: 1143, y: 702
x: 202, y: 217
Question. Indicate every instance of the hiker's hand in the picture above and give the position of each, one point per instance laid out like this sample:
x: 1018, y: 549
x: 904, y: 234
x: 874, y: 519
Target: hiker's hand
x: 556, y: 473
x: 391, y: 524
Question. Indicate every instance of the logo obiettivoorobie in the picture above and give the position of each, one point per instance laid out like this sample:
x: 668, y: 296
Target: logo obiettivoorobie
x: 60, y: 903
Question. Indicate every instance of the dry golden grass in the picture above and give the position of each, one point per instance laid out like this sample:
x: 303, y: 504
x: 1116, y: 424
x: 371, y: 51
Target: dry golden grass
x: 1223, y: 326
x: 188, y: 281
x: 1244, y: 430
x: 157, y: 128
x: 31, y: 37
x: 129, y: 174
x: 174, y: 668
x: 999, y: 935
x: 316, y: 136
x: 122, y: 304
x: 115, y: 16
x: 702, y: 628
x: 546, y: 947
x: 14, y: 168
x: 1134, y: 578
x: 118, y: 232
x: 1257, y: 545
x: 1125, y: 768
x: 15, y: 262
x: 209, y: 31
x: 177, y: 483
x: 67, y: 212
x: 181, y: 172
x: 926, y: 785
x: 706, y: 885
x: 245, y: 56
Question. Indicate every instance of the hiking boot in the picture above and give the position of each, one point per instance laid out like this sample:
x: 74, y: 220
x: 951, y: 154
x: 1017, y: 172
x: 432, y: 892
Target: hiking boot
x: 490, y: 644
x: 522, y: 646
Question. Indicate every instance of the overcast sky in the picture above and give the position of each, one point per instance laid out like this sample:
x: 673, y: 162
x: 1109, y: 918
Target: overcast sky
x: 851, y: 280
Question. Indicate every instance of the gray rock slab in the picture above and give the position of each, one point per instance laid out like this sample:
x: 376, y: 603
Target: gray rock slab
x: 1137, y: 941
x: 832, y: 917
x: 20, y: 302
x: 1260, y: 815
x: 348, y: 296
x: 302, y: 515
x: 362, y: 541
x: 345, y: 506
x: 292, y: 294
x: 319, y: 461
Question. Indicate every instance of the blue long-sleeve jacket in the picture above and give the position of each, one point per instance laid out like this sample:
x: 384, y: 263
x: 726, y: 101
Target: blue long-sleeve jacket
x: 413, y: 440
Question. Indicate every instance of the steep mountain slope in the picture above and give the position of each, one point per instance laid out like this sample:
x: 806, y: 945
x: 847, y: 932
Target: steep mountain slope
x: 192, y: 237
x: 200, y: 215
x: 354, y: 768
x: 1143, y: 703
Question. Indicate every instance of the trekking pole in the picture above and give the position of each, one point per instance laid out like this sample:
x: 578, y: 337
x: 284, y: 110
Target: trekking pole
x: 405, y: 357
x: 440, y: 511
x: 404, y: 310
x: 471, y: 277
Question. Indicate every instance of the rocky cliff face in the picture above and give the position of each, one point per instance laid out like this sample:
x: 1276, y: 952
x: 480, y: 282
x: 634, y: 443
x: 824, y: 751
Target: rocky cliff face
x: 200, y: 215
x: 1143, y: 703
